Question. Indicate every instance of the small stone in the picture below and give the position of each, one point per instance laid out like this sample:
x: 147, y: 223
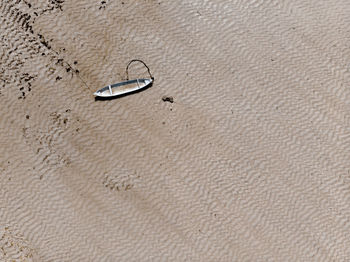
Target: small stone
x: 169, y: 99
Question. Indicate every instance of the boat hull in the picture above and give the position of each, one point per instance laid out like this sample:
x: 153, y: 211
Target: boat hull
x: 123, y: 88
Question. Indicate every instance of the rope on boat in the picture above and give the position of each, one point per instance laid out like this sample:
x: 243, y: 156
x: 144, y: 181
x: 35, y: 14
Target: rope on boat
x: 137, y: 60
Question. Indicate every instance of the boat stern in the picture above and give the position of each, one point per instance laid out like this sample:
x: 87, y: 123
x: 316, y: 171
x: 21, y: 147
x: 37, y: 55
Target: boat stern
x: 98, y: 93
x: 104, y: 92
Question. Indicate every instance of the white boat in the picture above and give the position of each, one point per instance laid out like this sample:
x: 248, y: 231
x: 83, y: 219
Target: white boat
x: 124, y: 87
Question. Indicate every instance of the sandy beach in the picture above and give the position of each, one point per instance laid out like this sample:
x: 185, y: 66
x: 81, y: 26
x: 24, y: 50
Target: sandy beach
x: 248, y: 161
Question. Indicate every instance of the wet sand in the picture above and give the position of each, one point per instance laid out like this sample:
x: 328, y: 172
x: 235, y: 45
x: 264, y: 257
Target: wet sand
x: 250, y: 161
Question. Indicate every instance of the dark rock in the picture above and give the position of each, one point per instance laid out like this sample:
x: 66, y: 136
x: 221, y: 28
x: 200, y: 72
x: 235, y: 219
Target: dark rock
x: 169, y: 99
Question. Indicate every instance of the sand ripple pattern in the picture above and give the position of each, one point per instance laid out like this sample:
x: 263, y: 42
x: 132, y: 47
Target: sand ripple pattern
x: 250, y: 163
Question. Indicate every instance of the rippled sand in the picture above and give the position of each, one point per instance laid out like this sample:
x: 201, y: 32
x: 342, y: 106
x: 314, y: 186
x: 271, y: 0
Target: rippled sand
x: 251, y: 161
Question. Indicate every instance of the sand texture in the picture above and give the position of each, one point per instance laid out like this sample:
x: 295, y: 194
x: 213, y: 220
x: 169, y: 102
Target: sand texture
x: 249, y: 162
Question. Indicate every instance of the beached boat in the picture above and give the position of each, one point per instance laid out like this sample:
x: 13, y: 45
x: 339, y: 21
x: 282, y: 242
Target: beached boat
x: 124, y: 87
